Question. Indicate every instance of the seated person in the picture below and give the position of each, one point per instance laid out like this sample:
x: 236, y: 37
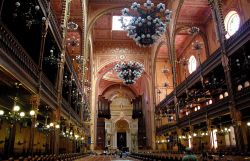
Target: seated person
x: 189, y: 156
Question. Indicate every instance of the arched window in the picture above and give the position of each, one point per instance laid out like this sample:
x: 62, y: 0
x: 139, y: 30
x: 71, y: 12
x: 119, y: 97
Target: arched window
x: 192, y: 64
x: 232, y: 23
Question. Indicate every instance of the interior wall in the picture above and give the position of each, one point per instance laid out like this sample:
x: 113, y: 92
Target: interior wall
x: 161, y: 91
x: 187, y: 53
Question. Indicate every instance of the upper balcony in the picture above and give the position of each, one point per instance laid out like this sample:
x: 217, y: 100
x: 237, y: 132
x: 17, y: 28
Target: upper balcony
x: 205, y: 96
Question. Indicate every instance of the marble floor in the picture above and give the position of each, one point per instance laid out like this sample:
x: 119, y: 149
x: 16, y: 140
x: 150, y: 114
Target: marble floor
x: 106, y: 158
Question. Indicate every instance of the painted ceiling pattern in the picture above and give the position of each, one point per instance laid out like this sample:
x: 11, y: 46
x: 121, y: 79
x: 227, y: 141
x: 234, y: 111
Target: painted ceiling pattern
x: 110, y: 47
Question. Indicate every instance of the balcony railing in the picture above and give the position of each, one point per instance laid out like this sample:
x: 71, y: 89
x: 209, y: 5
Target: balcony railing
x: 14, y: 49
x: 66, y: 106
x: 232, y: 44
x: 53, y: 22
x: 70, y: 65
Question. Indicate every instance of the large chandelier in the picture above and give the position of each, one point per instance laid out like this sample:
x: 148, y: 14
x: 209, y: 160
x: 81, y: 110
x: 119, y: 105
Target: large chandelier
x: 148, y: 23
x: 129, y: 72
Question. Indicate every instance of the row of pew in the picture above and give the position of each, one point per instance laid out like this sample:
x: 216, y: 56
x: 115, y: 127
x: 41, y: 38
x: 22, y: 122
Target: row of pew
x: 156, y: 157
x: 51, y: 157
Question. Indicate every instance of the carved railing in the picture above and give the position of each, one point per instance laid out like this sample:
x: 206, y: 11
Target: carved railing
x: 242, y: 98
x: 66, y: 106
x: 165, y: 128
x: 53, y: 22
x: 169, y: 98
x: 71, y: 68
x: 14, y: 49
x: 216, y: 109
x: 208, y: 65
x: 235, y: 41
x: 48, y: 87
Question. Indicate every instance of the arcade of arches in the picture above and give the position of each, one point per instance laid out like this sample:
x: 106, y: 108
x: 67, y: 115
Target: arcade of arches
x: 60, y: 93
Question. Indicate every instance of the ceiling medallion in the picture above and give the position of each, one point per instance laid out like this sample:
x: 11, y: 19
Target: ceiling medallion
x: 72, y: 26
x: 129, y: 72
x: 148, y: 23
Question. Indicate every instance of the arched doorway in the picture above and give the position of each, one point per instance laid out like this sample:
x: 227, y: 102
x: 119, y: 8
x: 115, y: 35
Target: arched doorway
x: 122, y: 128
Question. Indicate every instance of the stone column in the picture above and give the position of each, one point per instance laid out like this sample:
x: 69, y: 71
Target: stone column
x: 35, y: 102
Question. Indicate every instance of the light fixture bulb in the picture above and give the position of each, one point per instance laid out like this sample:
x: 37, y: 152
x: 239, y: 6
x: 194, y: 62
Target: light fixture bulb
x: 51, y: 124
x: 32, y: 113
x: 57, y: 126
x: 16, y: 108
x: 1, y: 112
x: 22, y: 114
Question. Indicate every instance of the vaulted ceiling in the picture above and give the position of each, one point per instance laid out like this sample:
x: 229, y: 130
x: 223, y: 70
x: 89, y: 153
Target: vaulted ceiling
x: 192, y: 13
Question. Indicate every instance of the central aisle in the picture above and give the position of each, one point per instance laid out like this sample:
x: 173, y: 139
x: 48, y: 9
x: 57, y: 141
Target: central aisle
x: 106, y: 158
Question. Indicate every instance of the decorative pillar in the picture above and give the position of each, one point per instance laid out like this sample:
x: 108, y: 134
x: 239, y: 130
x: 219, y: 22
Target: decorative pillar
x: 216, y: 7
x: 10, y: 140
x: 191, y: 136
x: 35, y: 102
x: 59, y: 82
x: 179, y: 144
x: 57, y: 130
x: 237, y: 120
x: 246, y: 140
x: 70, y: 90
x: 209, y: 131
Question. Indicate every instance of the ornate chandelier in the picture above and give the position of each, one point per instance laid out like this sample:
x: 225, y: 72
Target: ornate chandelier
x: 129, y: 72
x: 148, y: 23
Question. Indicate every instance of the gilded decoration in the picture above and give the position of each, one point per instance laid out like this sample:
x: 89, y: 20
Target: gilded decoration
x: 122, y: 125
x: 107, y: 53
